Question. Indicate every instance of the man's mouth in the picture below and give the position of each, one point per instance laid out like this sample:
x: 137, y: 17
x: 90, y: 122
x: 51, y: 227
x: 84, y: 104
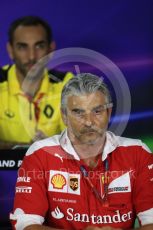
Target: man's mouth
x: 88, y: 131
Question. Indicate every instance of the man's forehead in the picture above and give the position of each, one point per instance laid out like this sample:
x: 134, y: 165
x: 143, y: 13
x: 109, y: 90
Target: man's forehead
x: 96, y: 98
x: 26, y: 33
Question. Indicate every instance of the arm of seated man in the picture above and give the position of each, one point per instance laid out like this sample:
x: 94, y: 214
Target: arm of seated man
x: 39, y: 227
x: 145, y: 227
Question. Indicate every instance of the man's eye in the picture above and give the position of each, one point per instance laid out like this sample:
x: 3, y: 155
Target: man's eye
x: 78, y: 112
x: 21, y: 47
x: 41, y: 46
x: 98, y: 111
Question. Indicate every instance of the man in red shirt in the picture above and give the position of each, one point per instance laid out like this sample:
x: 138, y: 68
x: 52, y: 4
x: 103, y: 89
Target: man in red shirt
x: 87, y: 177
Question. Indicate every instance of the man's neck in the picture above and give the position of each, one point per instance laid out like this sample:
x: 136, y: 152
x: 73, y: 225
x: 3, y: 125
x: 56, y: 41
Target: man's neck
x: 89, y: 153
x: 29, y: 87
x: 20, y: 77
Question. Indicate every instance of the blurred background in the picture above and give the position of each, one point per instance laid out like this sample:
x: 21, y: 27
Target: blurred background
x: 120, y: 30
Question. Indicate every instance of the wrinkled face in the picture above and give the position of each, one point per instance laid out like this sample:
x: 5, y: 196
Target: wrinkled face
x: 29, y: 45
x: 87, y: 118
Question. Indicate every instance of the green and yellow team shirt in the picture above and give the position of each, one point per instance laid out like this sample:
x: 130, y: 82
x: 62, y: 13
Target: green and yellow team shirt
x: 21, y: 116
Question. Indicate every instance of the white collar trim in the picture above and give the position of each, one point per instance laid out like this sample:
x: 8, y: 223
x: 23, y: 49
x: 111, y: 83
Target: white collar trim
x: 110, y: 144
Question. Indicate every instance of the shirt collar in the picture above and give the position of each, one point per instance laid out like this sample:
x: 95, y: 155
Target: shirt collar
x: 44, y: 84
x: 110, y: 145
x: 14, y: 86
x: 67, y: 146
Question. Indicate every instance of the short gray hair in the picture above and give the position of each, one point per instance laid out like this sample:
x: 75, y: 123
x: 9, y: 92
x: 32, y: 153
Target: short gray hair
x: 84, y: 83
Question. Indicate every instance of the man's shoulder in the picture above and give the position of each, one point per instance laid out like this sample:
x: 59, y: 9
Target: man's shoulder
x: 119, y: 141
x: 126, y: 141
x: 56, y: 76
x: 131, y: 142
x: 47, y: 143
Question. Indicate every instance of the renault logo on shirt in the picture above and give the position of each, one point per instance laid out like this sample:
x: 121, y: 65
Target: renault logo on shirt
x: 48, y: 111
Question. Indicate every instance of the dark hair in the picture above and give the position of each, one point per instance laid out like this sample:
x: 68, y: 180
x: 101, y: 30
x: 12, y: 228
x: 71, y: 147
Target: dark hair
x: 29, y: 21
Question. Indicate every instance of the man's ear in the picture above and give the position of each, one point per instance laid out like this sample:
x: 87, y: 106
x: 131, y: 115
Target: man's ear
x: 10, y: 50
x: 52, y: 46
x: 109, y: 113
x: 64, y: 116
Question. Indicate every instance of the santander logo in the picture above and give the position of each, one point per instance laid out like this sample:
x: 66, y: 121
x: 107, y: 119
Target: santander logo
x: 57, y: 214
x: 71, y: 215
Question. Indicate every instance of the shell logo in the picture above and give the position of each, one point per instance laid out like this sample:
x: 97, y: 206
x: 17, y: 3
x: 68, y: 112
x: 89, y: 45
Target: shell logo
x: 58, y: 181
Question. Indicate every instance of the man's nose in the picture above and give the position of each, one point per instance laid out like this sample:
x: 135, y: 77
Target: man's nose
x: 88, y: 119
x: 32, y: 54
